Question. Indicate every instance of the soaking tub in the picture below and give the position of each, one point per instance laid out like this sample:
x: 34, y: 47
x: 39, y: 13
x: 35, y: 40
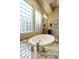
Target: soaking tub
x: 43, y: 39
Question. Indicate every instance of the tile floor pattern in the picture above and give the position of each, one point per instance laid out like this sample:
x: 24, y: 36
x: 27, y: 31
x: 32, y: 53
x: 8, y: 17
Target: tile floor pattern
x: 52, y: 51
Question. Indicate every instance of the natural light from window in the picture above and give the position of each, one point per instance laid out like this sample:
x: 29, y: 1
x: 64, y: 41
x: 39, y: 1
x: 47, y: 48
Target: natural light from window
x: 27, y: 18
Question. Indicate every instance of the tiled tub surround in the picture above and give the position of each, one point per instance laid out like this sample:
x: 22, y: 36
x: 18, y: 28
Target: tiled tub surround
x: 52, y: 51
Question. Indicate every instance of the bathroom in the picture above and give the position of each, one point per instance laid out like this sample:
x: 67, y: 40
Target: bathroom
x: 39, y: 29
x: 39, y: 18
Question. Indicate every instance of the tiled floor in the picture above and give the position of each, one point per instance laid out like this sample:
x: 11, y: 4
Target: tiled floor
x: 52, y: 51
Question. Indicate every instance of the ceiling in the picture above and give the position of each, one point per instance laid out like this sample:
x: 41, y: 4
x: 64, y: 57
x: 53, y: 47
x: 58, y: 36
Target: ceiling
x: 48, y: 5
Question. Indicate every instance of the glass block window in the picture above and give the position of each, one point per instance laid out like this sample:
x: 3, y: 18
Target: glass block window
x: 26, y: 17
x: 38, y: 21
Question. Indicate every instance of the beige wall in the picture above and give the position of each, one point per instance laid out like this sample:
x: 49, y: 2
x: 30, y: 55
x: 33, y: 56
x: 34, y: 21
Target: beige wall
x: 45, y: 22
x: 51, y: 19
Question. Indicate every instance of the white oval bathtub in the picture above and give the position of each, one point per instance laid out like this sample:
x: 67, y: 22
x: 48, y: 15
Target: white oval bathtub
x: 43, y: 39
